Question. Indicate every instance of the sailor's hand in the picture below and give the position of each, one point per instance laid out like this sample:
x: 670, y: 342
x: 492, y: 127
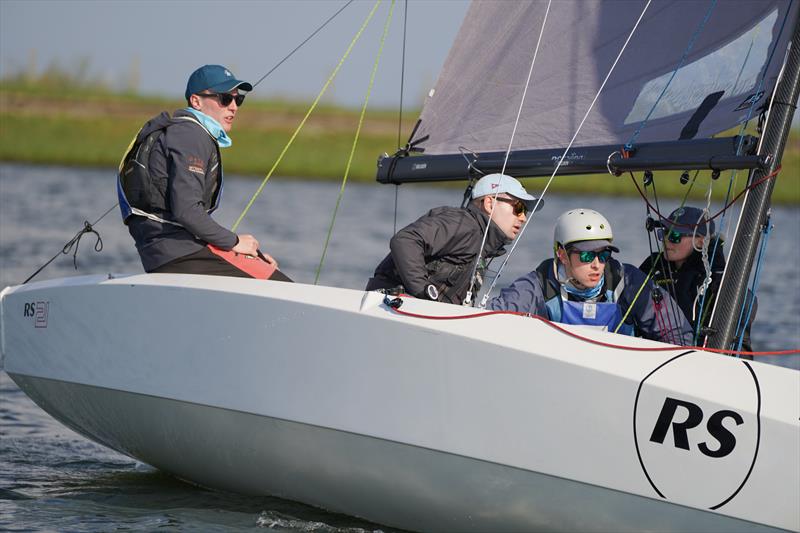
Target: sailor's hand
x: 247, y: 245
x: 268, y: 258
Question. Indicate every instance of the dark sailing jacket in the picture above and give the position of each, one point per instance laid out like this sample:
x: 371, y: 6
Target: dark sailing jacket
x: 440, y: 248
x: 530, y: 293
x: 683, y: 284
x: 186, y: 172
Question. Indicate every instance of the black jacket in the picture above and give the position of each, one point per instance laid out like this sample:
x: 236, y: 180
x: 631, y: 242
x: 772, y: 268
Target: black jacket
x: 187, y: 159
x: 440, y: 248
x: 683, y: 285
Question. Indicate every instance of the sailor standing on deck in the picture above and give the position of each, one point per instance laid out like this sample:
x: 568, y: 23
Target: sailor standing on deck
x: 434, y: 257
x: 170, y: 182
x: 584, y: 285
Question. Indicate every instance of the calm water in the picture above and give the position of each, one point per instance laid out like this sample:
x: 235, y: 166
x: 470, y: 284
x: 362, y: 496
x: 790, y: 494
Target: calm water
x: 53, y: 479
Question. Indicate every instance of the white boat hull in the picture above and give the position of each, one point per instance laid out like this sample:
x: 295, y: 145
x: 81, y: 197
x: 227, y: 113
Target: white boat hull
x: 325, y: 396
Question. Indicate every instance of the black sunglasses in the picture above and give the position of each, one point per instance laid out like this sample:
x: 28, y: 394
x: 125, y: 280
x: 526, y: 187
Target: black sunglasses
x: 518, y: 205
x: 225, y: 99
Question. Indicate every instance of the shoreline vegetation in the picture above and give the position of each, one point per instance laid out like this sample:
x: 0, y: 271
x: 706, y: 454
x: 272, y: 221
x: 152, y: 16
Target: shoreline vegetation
x: 46, y: 121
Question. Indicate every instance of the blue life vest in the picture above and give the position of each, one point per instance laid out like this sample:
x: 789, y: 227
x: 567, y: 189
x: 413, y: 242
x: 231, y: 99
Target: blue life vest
x: 607, y: 313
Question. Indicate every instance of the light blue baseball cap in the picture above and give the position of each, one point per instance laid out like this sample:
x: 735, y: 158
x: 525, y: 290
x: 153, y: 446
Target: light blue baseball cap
x: 504, y: 184
x: 215, y: 78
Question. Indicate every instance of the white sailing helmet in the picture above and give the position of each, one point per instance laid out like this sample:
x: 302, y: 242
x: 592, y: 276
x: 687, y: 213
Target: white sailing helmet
x: 583, y: 228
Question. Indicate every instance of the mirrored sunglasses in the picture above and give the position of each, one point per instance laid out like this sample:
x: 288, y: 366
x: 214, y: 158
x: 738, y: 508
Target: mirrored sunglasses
x: 518, y: 205
x: 225, y: 99
x: 672, y: 236
x: 588, y: 257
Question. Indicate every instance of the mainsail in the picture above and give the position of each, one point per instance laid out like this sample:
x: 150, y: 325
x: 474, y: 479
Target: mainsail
x: 692, y: 69
x: 613, y: 86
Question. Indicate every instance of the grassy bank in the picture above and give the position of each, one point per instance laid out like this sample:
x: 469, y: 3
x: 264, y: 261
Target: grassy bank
x: 92, y: 128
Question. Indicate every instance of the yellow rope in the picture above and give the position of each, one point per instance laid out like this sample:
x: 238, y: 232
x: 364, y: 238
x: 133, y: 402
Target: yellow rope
x: 355, y: 139
x: 305, y: 118
x: 636, y: 297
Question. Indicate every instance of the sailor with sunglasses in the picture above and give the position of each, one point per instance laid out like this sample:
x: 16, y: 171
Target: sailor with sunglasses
x: 680, y: 270
x: 434, y: 257
x: 170, y: 181
x: 584, y: 285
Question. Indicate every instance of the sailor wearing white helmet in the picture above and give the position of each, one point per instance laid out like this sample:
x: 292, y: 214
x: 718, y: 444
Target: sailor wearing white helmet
x: 583, y: 284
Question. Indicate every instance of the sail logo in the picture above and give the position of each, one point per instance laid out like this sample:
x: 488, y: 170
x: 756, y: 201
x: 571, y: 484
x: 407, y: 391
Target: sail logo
x: 750, y: 101
x: 38, y: 311
x: 698, y: 449
x: 574, y: 156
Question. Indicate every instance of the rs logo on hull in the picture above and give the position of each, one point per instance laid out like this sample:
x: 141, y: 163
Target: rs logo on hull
x: 38, y: 311
x: 680, y: 430
x: 696, y: 428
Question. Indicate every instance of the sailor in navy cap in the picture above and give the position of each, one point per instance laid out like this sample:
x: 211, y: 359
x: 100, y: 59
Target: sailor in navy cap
x: 687, y: 235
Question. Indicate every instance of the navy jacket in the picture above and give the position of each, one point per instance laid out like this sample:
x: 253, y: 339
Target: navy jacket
x: 683, y: 284
x: 526, y: 295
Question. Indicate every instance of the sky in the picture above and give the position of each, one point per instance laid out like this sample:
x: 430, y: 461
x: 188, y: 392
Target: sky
x: 155, y: 45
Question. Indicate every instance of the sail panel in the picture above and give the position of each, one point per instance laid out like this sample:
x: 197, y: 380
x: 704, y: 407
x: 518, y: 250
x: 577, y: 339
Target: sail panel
x: 729, y: 55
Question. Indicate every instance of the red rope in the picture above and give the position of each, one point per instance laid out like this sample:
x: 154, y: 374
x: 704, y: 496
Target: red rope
x: 658, y: 310
x: 586, y: 339
x: 704, y: 221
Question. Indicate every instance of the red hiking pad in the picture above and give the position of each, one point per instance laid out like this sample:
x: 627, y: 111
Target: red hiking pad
x: 254, y: 266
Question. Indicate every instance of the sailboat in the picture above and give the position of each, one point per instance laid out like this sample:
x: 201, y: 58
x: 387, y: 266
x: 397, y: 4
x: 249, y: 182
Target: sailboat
x: 446, y: 417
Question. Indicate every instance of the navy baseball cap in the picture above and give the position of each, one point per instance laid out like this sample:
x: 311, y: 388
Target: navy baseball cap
x: 684, y: 219
x: 215, y: 78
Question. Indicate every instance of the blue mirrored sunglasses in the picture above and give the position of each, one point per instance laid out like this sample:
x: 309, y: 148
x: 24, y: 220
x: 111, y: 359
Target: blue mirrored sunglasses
x: 672, y: 236
x: 588, y: 257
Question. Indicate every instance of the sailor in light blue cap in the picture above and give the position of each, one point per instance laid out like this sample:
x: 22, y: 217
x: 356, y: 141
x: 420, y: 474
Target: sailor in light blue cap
x: 501, y: 185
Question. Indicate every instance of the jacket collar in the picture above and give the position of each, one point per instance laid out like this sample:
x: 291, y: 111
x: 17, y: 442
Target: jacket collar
x: 496, y: 239
x: 212, y: 127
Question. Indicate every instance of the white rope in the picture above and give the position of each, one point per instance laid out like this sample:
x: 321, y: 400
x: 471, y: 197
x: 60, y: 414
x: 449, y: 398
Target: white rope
x: 525, y: 91
x: 468, y: 298
x: 566, y: 151
x: 701, y: 290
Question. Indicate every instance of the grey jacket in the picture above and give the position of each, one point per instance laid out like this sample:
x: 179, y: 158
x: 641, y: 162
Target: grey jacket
x: 526, y: 295
x: 187, y: 157
x: 439, y: 248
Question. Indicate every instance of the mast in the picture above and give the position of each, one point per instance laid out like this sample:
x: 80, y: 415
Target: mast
x: 733, y: 287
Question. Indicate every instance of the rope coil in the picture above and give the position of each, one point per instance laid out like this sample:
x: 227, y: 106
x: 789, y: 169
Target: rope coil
x: 73, y: 242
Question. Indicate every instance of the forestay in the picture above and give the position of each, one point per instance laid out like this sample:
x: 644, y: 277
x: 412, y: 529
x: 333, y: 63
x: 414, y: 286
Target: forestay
x: 723, y: 49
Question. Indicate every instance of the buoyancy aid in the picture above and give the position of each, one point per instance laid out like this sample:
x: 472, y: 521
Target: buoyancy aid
x: 137, y: 191
x: 607, y: 313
